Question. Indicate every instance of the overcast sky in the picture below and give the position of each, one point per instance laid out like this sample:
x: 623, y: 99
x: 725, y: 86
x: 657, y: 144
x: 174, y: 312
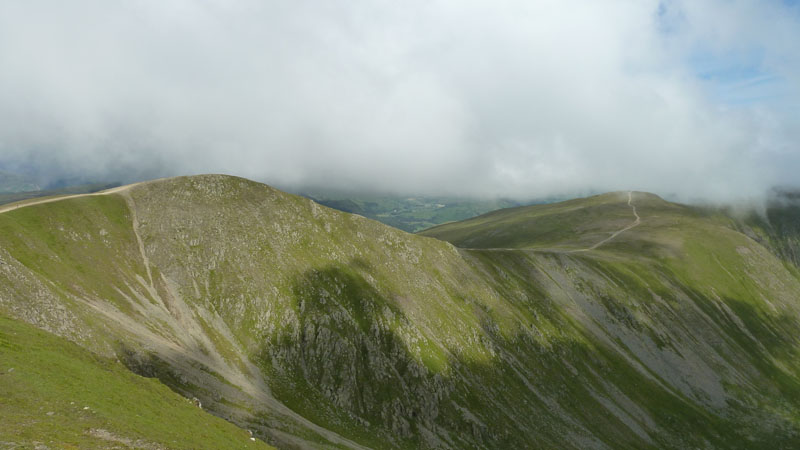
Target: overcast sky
x: 691, y: 98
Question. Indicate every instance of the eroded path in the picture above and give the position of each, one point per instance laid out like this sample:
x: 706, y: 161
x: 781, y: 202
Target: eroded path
x: 618, y: 232
x: 26, y: 203
x: 556, y: 250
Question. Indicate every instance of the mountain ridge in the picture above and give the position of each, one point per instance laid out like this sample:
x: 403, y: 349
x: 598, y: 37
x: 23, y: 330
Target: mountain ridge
x: 316, y: 328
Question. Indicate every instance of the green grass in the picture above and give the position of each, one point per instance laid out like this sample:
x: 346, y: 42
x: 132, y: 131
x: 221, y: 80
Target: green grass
x: 569, y: 224
x: 55, y: 393
x: 85, y: 245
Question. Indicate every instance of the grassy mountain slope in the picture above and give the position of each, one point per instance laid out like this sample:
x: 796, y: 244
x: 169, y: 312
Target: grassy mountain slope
x: 778, y: 226
x: 701, y: 305
x: 566, y: 225
x: 317, y: 328
x: 55, y: 393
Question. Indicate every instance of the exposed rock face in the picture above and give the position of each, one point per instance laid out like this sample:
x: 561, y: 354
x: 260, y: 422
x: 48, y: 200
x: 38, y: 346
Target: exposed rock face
x: 317, y: 328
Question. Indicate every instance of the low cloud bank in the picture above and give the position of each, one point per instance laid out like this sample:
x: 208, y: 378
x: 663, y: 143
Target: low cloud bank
x: 513, y: 98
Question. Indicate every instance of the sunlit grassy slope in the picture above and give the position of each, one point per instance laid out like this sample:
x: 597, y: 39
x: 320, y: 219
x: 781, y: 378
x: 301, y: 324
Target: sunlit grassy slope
x: 566, y: 225
x: 54, y: 393
x: 317, y: 328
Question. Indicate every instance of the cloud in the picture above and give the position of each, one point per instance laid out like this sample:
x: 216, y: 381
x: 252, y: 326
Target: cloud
x: 515, y: 98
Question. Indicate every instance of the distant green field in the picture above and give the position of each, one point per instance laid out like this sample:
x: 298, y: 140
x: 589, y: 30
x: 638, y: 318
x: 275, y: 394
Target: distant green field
x: 413, y: 214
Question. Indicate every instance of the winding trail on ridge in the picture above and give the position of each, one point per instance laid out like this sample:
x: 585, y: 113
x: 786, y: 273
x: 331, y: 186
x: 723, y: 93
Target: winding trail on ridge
x: 618, y: 232
x: 551, y: 250
x: 26, y: 203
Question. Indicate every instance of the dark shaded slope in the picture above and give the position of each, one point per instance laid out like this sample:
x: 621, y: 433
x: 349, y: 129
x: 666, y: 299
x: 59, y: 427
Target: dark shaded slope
x: 778, y: 227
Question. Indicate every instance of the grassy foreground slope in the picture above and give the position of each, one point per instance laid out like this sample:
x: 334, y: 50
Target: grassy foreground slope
x: 317, y: 328
x: 54, y: 393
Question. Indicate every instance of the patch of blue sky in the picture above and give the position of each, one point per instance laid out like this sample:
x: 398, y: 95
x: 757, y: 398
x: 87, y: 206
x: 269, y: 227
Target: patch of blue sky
x: 735, y: 76
x: 739, y: 78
